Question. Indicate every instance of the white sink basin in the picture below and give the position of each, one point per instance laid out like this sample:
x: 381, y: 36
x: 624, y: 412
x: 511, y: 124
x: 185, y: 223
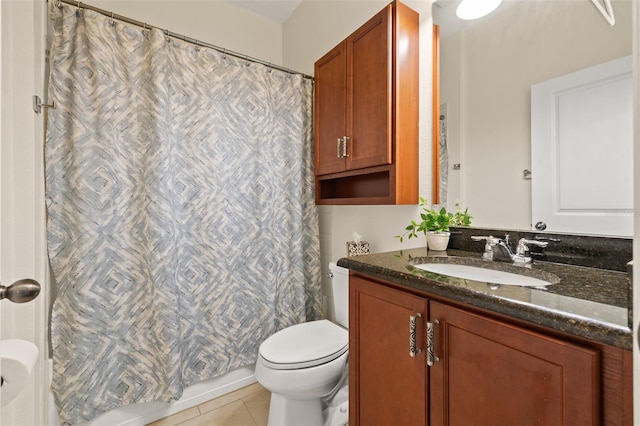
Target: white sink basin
x: 483, y: 274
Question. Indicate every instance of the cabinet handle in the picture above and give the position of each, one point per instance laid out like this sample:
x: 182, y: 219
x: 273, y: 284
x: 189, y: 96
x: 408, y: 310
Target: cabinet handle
x: 431, y: 356
x: 413, y: 350
x: 339, y: 154
x: 344, y: 146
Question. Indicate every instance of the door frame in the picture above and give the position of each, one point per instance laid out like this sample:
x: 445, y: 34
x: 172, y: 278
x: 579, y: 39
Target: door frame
x: 22, y: 208
x: 636, y: 233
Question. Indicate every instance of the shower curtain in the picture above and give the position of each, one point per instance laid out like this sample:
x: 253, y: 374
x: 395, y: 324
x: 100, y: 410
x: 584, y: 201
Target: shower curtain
x: 182, y: 229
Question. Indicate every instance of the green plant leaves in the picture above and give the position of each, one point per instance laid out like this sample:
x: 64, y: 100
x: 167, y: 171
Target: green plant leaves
x: 436, y: 221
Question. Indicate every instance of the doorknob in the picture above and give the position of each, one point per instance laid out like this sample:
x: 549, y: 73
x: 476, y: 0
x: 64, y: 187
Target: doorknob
x: 21, y: 291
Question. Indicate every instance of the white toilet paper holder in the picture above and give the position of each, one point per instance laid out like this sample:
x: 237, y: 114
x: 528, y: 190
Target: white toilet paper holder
x: 17, y: 360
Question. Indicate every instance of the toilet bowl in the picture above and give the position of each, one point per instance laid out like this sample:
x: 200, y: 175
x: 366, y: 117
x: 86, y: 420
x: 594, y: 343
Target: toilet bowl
x: 305, y: 366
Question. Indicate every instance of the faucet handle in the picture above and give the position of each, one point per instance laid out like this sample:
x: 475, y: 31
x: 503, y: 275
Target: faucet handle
x: 489, y: 238
x: 490, y: 242
x: 522, y: 251
x: 527, y: 243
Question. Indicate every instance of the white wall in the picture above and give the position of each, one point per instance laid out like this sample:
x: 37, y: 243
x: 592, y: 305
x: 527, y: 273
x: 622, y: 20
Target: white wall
x: 500, y: 57
x: 316, y: 26
x: 216, y: 22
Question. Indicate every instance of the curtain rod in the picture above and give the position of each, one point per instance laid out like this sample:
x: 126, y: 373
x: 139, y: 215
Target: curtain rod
x: 186, y: 39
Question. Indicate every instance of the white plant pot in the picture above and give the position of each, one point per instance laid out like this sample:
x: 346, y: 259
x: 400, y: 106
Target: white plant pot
x: 438, y: 241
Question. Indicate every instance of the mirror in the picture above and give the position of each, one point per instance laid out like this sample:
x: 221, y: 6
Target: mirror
x: 482, y: 100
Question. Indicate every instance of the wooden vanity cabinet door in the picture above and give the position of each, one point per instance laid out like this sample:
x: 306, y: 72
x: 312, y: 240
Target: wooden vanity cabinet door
x: 386, y: 385
x: 493, y: 373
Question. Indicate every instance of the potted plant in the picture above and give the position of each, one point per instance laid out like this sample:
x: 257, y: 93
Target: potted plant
x: 435, y: 225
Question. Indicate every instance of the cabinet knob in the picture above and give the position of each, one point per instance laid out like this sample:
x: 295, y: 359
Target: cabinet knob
x: 413, y: 350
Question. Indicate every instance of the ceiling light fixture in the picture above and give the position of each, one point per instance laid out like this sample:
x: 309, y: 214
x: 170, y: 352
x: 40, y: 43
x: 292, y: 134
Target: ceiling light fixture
x: 474, y: 9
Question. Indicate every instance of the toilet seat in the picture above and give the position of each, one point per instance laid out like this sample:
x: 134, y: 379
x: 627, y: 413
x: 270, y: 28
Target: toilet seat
x: 304, y: 345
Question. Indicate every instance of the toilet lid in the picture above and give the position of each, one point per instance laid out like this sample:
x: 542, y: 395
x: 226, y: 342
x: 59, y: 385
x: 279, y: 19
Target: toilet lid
x: 305, y: 345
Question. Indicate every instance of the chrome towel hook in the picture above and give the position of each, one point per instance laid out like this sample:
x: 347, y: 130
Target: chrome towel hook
x: 38, y: 104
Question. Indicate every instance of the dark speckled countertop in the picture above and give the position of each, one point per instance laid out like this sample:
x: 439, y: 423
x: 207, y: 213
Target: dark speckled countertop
x: 587, y: 302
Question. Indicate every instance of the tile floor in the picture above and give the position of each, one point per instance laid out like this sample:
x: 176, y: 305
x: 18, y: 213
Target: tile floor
x: 248, y: 406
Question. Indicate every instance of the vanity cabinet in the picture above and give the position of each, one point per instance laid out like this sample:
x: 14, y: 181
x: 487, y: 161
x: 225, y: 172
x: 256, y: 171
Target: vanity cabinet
x: 387, y: 386
x: 366, y: 113
x: 490, y: 372
x: 487, y: 369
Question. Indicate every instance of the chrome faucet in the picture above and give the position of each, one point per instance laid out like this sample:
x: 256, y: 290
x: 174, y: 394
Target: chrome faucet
x: 502, y: 252
x: 498, y: 249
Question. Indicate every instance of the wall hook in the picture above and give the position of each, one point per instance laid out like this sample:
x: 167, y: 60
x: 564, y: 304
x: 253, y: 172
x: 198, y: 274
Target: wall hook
x: 38, y: 105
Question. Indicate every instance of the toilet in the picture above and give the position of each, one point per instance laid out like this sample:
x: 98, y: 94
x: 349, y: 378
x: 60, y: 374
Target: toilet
x: 305, y: 366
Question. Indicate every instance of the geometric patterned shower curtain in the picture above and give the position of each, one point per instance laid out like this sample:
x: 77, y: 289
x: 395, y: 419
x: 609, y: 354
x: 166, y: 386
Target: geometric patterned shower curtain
x: 182, y: 229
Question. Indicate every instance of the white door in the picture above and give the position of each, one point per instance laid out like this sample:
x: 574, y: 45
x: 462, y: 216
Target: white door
x: 582, y: 150
x: 22, y: 241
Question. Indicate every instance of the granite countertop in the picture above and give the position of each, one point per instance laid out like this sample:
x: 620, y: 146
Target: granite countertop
x: 587, y: 302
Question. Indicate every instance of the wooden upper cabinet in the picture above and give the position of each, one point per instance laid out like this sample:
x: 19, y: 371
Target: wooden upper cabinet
x: 366, y: 113
x: 353, y: 98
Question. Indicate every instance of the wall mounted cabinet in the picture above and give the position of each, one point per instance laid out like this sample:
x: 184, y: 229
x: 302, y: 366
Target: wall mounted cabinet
x: 477, y: 369
x: 366, y: 113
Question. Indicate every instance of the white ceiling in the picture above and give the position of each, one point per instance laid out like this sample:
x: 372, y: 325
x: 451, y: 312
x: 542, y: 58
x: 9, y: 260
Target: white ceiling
x: 275, y: 10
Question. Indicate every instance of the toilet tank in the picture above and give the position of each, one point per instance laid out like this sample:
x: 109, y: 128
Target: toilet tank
x: 340, y: 287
